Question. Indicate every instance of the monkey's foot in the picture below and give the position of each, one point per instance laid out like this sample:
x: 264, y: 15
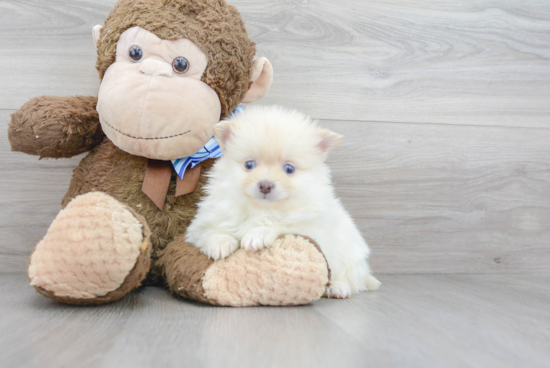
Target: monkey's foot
x: 293, y: 271
x: 96, y: 251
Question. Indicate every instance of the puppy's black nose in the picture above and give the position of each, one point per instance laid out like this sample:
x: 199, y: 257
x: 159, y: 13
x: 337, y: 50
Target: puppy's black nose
x: 266, y: 186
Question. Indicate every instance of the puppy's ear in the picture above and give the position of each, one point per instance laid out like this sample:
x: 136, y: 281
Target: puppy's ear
x: 329, y: 140
x: 223, y: 133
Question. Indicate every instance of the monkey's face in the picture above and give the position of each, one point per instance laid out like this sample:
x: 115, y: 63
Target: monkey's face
x: 152, y: 102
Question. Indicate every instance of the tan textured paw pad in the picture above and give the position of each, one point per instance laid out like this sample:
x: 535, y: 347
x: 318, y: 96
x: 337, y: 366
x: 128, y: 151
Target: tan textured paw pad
x: 90, y: 248
x: 291, y: 272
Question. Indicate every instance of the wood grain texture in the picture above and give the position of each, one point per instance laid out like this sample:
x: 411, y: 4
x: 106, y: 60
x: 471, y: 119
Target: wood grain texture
x: 456, y: 62
x: 31, y: 191
x: 428, y: 198
x: 46, y: 48
x: 462, y: 62
x: 447, y: 199
x: 412, y: 321
x: 445, y: 166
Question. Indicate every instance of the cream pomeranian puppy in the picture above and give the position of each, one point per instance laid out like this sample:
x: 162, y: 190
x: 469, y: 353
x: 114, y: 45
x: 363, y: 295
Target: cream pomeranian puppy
x: 273, y: 180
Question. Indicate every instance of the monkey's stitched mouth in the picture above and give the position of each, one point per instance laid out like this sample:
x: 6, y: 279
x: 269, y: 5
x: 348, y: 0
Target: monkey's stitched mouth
x: 144, y: 138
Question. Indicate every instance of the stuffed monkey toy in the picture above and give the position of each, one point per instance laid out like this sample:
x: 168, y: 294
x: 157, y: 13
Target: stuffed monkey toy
x: 170, y: 70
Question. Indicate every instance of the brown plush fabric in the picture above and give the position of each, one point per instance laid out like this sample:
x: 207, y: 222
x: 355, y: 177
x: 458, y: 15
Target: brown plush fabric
x: 55, y: 127
x: 120, y: 175
x: 184, y: 267
x: 132, y: 280
x: 67, y: 126
x: 291, y: 272
x: 320, y: 251
x: 214, y: 26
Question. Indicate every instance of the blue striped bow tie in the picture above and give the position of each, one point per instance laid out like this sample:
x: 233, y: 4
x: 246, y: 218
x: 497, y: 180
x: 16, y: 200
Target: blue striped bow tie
x: 210, y: 150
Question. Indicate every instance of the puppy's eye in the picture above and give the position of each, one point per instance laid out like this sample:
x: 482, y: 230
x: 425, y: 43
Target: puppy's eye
x: 135, y: 53
x: 180, y: 65
x: 289, y: 169
x: 249, y: 165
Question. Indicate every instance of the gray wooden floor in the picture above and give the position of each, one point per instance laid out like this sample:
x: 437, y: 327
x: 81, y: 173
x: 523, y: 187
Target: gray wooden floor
x: 414, y: 321
x: 445, y: 165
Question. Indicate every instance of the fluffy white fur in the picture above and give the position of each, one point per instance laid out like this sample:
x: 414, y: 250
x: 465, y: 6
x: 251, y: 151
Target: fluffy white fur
x: 235, y: 212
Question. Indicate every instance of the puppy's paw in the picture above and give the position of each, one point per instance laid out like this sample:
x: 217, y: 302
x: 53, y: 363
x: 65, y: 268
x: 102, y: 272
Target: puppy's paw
x: 219, y: 246
x: 372, y: 283
x: 339, y: 290
x: 258, y: 238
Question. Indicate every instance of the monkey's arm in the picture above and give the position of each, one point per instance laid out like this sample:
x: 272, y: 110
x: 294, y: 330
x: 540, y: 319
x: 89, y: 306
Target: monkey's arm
x: 55, y: 127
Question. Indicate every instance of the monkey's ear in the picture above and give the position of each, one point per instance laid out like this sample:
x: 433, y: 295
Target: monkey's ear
x: 222, y: 133
x: 262, y: 76
x: 96, y: 31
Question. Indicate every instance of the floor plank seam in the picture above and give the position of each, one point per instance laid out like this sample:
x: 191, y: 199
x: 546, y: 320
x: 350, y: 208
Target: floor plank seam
x: 406, y: 122
x: 428, y: 123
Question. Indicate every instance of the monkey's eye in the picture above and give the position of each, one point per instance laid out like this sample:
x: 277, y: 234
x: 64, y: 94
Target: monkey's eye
x: 180, y: 65
x: 289, y: 169
x: 136, y: 53
x: 249, y: 165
